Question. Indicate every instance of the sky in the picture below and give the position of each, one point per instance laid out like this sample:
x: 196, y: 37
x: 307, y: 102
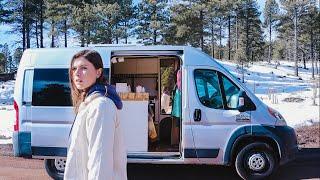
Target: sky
x: 11, y: 38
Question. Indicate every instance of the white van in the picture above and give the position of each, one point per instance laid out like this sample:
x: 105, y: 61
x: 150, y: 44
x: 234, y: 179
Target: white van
x: 221, y: 122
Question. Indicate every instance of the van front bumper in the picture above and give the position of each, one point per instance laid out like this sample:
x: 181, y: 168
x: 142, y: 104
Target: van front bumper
x: 21, y: 142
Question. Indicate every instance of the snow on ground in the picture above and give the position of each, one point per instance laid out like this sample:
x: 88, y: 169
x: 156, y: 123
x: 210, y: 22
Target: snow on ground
x: 7, y: 117
x: 292, y: 96
x: 280, y: 89
x: 6, y: 93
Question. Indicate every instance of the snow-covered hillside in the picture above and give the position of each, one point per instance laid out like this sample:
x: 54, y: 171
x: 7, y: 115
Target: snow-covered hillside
x: 292, y: 96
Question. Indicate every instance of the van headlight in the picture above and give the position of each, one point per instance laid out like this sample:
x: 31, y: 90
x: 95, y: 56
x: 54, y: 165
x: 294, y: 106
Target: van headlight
x: 280, y: 120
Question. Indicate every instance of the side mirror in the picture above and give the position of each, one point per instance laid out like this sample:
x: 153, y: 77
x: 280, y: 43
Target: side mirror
x: 242, y: 101
x: 245, y: 103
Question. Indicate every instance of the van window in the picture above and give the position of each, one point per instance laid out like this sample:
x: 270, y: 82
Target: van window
x: 208, y: 89
x: 51, y: 87
x: 231, y: 92
x: 27, y: 86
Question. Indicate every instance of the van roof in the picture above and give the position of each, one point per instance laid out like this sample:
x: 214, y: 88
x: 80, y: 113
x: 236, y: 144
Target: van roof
x: 61, y: 57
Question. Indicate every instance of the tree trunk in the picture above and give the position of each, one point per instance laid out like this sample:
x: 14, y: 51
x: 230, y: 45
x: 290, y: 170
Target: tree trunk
x: 237, y: 33
x: 65, y: 34
x: 229, y: 38
x: 304, y: 60
x: 88, y: 37
x: 28, y: 32
x: 295, y: 42
x: 316, y: 58
x: 220, y: 38
x: 24, y: 25
x: 269, y: 59
x: 212, y: 41
x: 37, y: 40
x: 126, y: 36
x: 41, y: 24
x: 154, y: 37
x: 82, y: 34
x: 311, y: 53
x: 27, y: 26
x: 201, y: 30
x: 52, y: 33
x: 247, y: 34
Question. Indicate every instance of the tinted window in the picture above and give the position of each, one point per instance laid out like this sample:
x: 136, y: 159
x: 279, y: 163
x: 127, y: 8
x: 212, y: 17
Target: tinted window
x: 231, y: 92
x: 51, y: 87
x: 208, y: 89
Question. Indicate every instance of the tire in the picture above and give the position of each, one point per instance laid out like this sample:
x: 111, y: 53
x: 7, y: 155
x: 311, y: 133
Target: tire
x: 256, y: 161
x: 52, y: 169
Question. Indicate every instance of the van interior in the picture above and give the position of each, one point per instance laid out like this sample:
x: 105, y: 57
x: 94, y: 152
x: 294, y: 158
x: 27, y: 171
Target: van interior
x: 151, y: 79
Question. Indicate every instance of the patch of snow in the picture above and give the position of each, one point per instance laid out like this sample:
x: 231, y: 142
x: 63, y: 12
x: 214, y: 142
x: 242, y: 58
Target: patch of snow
x: 7, y: 118
x: 6, y: 92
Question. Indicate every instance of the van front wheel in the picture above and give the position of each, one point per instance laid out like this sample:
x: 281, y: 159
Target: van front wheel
x: 256, y: 161
x: 55, y: 168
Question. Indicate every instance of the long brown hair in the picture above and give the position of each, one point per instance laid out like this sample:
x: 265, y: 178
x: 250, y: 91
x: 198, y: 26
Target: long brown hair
x: 95, y: 59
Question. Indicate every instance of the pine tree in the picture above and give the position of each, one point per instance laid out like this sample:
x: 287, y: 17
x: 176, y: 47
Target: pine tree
x: 17, y: 57
x: 126, y: 20
x: 290, y: 26
x: 57, y: 14
x: 271, y: 12
x: 213, y: 17
x: 2, y: 62
x: 17, y: 18
x: 187, y: 26
x: 251, y: 35
x: 151, y: 21
x: 108, y: 18
x: 4, y: 13
x: 5, y: 59
x: 83, y: 20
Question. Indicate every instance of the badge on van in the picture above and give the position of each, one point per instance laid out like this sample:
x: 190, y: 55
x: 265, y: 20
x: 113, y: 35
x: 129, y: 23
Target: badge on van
x: 243, y: 117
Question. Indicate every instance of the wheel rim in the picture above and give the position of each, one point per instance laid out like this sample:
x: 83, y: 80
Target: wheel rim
x: 60, y: 164
x: 256, y: 162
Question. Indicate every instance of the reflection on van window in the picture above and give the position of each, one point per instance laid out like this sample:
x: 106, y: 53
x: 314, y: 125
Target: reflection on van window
x: 208, y: 90
x: 231, y: 92
x: 51, y: 87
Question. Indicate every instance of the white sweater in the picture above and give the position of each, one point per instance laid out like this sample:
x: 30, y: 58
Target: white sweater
x: 97, y: 149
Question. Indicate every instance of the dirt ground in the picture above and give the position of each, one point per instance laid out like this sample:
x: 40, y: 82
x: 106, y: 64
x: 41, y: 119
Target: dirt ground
x: 309, y: 136
x: 305, y: 167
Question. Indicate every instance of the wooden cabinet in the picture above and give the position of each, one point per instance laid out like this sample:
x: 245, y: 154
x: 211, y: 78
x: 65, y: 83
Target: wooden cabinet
x: 137, y: 66
x: 149, y: 66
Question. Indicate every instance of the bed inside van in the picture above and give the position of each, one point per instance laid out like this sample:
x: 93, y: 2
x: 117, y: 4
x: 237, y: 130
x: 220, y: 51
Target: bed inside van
x: 146, y: 84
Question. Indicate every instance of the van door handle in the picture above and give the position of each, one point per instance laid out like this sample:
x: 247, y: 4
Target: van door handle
x: 197, y: 115
x: 24, y: 103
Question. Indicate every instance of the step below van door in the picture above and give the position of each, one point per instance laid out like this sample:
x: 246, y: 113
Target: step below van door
x: 212, y: 107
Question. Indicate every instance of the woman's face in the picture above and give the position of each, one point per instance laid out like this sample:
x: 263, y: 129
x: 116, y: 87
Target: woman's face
x: 84, y: 74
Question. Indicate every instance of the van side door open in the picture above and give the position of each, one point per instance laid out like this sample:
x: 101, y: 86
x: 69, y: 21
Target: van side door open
x: 213, y: 101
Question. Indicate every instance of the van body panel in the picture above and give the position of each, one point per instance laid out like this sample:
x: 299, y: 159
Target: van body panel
x: 47, y: 122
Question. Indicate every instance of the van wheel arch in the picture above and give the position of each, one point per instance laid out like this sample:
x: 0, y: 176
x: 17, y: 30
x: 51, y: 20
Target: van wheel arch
x: 243, y: 141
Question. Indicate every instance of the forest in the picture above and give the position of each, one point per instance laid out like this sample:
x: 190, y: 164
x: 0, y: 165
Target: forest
x: 234, y: 30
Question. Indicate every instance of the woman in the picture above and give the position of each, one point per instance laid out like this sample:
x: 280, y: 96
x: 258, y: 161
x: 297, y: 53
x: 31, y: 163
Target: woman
x: 176, y: 110
x: 96, y: 149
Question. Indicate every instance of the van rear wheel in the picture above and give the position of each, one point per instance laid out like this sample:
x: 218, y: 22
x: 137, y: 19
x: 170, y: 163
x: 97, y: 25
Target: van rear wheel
x: 256, y: 161
x: 55, y: 168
